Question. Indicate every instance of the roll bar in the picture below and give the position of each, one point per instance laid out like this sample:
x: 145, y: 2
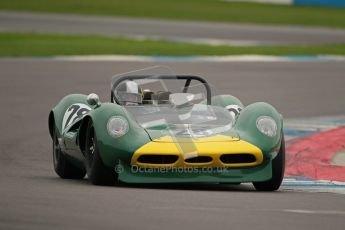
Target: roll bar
x: 188, y: 79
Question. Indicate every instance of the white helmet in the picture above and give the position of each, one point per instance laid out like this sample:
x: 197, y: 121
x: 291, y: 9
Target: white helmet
x: 129, y: 93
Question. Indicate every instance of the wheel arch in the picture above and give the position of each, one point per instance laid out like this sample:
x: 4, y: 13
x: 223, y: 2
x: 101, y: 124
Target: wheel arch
x: 82, y: 133
x: 112, y: 148
x: 247, y: 129
x: 56, y: 115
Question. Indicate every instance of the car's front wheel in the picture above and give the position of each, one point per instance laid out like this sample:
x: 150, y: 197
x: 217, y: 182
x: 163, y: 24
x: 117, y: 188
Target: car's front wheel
x: 278, y: 168
x: 98, y: 173
x: 62, y: 166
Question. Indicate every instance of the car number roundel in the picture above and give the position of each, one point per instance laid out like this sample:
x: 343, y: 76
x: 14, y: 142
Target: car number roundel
x: 73, y: 113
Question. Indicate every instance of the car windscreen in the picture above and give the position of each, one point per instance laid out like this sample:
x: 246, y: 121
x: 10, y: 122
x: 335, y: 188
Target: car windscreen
x: 208, y: 119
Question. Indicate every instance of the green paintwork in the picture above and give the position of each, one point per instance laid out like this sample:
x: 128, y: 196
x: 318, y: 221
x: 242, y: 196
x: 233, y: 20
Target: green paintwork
x: 118, y: 151
x: 114, y: 149
x: 246, y: 126
x: 59, y: 110
x: 225, y: 100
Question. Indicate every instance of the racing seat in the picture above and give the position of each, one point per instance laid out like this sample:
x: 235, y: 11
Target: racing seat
x: 162, y: 97
x: 147, y: 97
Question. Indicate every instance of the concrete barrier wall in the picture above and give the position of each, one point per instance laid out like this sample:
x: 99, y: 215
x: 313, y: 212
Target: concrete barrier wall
x: 329, y: 3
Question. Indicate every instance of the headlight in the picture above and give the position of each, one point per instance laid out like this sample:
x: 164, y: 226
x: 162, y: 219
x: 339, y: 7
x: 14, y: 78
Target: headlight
x: 267, y: 126
x: 117, y: 126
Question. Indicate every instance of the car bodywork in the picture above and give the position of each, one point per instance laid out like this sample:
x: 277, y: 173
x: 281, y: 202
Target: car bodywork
x: 177, y: 149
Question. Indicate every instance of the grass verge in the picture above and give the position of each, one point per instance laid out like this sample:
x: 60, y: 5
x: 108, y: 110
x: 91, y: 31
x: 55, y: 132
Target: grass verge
x: 204, y: 10
x: 28, y: 44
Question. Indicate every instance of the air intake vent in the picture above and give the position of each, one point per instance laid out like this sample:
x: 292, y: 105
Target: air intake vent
x: 199, y: 159
x: 237, y: 158
x: 158, y: 159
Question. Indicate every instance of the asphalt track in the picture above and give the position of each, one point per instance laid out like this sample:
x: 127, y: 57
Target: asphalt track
x: 33, y: 197
x: 198, y: 32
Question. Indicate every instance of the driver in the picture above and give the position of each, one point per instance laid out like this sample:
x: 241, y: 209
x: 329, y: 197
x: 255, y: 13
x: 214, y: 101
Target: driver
x: 129, y: 93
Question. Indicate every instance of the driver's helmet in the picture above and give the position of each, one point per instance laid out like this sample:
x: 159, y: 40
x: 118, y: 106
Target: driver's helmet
x: 129, y: 93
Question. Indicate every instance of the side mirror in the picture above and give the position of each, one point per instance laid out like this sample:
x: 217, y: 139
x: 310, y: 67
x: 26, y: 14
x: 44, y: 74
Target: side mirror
x: 93, y: 100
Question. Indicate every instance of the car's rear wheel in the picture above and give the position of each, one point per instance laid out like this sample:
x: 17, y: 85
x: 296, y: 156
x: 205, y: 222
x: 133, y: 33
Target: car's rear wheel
x: 278, y: 168
x: 62, y: 166
x: 98, y: 173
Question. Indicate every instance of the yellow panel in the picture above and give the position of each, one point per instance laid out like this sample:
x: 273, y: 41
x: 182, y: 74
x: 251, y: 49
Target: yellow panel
x: 199, y: 147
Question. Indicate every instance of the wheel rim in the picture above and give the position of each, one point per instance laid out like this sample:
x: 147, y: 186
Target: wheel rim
x: 56, y: 152
x: 91, y: 147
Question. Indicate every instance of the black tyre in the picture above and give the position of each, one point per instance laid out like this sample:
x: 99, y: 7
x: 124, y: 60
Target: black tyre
x: 278, y: 168
x: 62, y: 166
x: 98, y: 173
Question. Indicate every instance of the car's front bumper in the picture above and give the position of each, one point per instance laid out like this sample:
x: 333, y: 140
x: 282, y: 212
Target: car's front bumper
x: 135, y: 174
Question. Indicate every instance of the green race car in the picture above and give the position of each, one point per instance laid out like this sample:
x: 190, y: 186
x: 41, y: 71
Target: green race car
x: 165, y: 128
